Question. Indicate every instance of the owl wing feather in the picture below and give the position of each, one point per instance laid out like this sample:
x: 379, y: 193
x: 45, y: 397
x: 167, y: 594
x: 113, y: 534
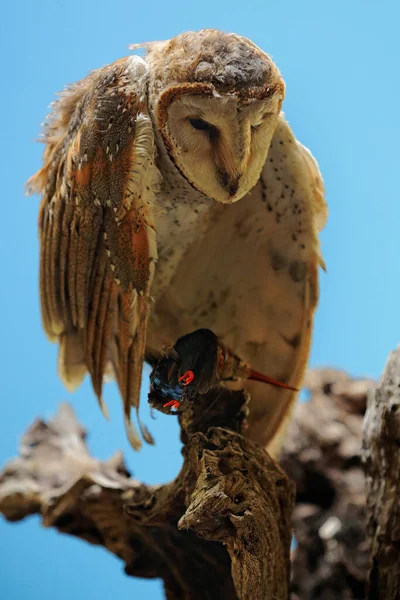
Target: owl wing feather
x: 253, y: 279
x: 97, y: 238
x: 292, y: 190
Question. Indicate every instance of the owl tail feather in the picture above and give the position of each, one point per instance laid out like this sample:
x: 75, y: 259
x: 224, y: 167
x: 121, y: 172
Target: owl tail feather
x: 103, y: 407
x: 71, y: 364
x: 132, y: 433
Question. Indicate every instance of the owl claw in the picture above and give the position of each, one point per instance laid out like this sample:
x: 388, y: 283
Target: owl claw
x: 187, y: 378
x: 172, y: 404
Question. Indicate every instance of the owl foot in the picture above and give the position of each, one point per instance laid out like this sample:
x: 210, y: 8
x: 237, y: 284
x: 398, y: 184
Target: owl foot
x: 186, y: 378
x: 172, y: 403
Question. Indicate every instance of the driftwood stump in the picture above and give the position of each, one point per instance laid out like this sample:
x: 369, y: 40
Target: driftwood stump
x: 381, y: 450
x: 220, y: 530
x: 323, y: 456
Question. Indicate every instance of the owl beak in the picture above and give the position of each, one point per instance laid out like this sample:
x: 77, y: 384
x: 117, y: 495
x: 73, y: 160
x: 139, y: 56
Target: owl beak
x: 233, y: 187
x: 230, y: 182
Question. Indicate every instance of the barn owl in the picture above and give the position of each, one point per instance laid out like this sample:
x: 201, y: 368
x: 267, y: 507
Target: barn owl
x: 175, y: 197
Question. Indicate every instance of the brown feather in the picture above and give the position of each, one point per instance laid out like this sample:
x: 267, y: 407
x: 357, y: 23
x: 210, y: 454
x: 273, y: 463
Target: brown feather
x: 94, y: 226
x: 71, y: 366
x: 64, y: 242
x: 96, y: 298
x: 44, y: 295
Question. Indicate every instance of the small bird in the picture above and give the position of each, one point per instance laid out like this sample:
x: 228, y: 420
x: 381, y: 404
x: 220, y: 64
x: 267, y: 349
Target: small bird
x: 198, y: 362
x: 176, y: 197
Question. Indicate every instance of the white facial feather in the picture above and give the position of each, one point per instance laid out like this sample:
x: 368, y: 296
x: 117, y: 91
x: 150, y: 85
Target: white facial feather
x: 234, y: 148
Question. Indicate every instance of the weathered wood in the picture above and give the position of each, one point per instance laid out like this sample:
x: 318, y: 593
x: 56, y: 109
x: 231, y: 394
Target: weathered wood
x: 322, y: 455
x: 381, y: 453
x: 220, y: 530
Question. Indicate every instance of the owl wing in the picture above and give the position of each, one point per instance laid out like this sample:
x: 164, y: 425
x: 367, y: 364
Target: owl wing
x: 291, y: 190
x: 253, y: 279
x: 97, y: 238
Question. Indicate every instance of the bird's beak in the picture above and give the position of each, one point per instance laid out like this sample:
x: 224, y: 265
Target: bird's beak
x: 229, y: 181
x: 230, y: 162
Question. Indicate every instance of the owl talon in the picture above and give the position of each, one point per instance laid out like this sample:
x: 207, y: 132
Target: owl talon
x: 186, y: 378
x: 173, y: 404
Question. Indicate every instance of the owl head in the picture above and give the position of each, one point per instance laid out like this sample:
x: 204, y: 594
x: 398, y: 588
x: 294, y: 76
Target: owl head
x: 216, y: 99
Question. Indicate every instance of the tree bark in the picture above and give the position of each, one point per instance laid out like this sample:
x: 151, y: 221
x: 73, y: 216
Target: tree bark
x: 381, y: 451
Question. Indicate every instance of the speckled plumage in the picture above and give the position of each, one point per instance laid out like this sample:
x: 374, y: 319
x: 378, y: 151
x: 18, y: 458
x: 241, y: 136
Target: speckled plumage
x: 175, y: 197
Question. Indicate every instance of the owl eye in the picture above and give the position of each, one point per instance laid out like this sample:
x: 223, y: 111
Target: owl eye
x: 264, y: 118
x: 202, y: 125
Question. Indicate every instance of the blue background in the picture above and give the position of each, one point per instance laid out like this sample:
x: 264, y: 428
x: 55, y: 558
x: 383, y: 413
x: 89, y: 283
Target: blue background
x: 340, y: 61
